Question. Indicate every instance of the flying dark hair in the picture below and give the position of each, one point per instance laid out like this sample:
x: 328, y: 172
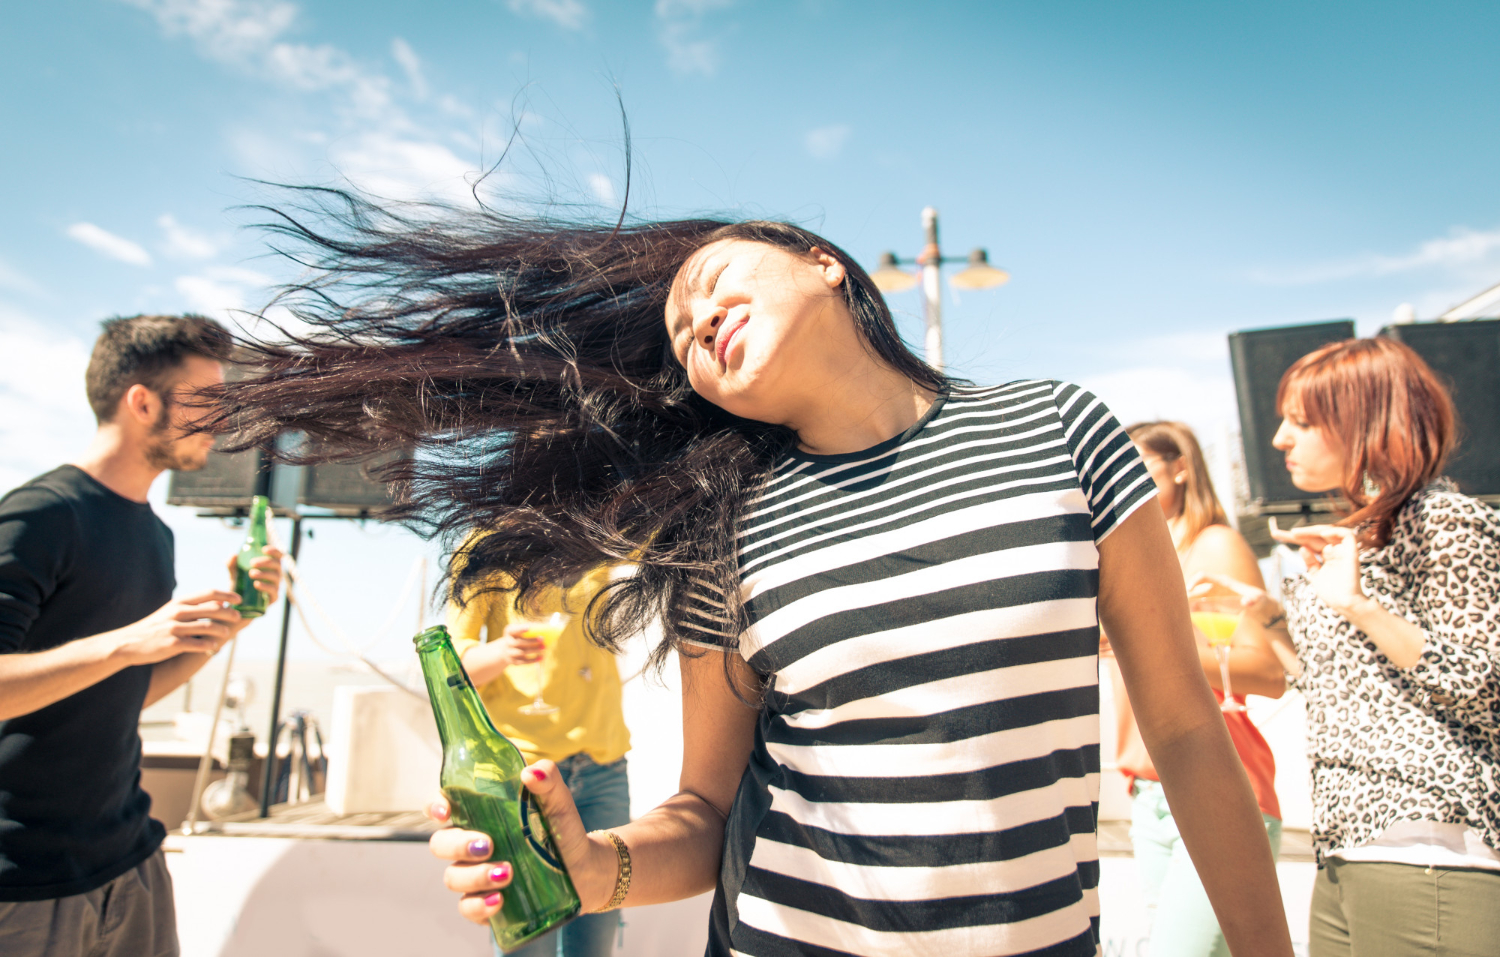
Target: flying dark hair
x: 147, y: 350
x: 527, y: 363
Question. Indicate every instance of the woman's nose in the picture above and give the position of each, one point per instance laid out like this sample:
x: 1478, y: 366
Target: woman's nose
x: 1282, y: 440
x: 706, y: 336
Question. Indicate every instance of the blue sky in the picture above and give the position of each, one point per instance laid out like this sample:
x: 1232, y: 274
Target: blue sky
x: 1153, y: 175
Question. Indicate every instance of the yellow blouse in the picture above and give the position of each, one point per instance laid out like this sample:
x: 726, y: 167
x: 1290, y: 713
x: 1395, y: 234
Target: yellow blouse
x: 577, y: 676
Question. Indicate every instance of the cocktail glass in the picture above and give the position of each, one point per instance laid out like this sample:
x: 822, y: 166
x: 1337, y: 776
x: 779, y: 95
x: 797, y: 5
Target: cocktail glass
x: 547, y: 629
x: 1218, y: 617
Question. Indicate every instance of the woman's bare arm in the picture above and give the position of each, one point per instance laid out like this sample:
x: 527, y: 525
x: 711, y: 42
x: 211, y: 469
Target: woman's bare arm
x: 1254, y: 667
x: 1143, y: 606
x: 675, y: 847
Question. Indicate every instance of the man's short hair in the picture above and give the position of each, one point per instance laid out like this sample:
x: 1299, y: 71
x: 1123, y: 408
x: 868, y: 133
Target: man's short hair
x: 149, y: 351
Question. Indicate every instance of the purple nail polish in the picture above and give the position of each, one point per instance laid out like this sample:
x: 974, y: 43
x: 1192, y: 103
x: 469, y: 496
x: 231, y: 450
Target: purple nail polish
x: 480, y: 847
x: 501, y: 874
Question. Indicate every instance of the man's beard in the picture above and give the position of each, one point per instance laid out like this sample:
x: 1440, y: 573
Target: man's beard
x: 163, y: 451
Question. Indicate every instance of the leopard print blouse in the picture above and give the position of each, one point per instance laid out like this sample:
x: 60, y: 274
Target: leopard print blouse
x: 1393, y: 744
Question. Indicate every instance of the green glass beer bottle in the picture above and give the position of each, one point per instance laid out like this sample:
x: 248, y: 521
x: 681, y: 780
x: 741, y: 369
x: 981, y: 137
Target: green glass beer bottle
x: 253, y: 601
x: 481, y: 778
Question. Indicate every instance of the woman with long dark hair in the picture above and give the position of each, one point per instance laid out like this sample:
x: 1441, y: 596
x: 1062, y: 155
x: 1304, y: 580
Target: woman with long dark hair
x: 883, y: 588
x: 1394, y: 626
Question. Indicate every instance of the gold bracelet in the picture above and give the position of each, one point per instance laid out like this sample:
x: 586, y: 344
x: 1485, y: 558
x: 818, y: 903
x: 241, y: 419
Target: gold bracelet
x: 622, y: 877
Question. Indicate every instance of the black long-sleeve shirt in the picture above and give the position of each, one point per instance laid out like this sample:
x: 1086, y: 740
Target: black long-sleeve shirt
x: 76, y: 560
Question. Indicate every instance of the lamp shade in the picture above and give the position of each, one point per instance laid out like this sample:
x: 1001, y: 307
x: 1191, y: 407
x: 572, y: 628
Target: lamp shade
x: 890, y: 277
x: 978, y: 274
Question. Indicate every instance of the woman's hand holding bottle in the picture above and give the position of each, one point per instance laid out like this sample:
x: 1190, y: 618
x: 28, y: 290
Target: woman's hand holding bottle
x: 592, y: 862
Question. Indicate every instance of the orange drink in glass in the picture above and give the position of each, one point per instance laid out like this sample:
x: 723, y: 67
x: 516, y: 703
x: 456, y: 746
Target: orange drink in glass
x: 1218, y: 617
x: 547, y: 630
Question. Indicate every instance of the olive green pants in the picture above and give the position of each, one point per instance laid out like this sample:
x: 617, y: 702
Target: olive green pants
x: 133, y: 915
x: 1374, y: 909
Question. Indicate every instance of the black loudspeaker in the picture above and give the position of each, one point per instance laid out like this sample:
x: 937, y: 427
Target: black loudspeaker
x: 1466, y: 357
x: 224, y: 486
x: 1260, y: 357
x: 347, y: 487
x: 226, y: 482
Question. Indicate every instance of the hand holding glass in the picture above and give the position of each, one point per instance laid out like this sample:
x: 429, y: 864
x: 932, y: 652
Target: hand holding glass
x: 547, y: 631
x: 1218, y: 617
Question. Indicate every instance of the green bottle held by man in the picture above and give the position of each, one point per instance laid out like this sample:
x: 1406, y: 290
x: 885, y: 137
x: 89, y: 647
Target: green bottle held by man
x: 481, y: 778
x: 253, y: 601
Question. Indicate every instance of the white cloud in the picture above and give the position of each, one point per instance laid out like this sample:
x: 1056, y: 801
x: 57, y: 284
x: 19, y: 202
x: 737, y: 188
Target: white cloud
x: 232, y: 31
x: 411, y: 65
x: 369, y: 139
x: 1183, y: 377
x: 185, y: 243
x: 827, y: 142
x: 680, y: 29
x: 247, y: 34
x: 108, y: 244
x: 44, y: 415
x: 1463, y: 250
x: 324, y: 67
x: 16, y: 281
x: 1201, y: 396
x: 222, y: 291
x: 393, y: 166
x: 603, y: 188
x: 568, y: 14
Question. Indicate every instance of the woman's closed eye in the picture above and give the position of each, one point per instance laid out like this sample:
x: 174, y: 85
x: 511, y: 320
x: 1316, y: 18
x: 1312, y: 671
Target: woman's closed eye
x: 713, y: 284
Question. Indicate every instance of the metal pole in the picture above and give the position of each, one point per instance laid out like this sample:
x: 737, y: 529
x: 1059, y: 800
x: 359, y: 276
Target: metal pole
x: 268, y: 769
x: 932, y: 289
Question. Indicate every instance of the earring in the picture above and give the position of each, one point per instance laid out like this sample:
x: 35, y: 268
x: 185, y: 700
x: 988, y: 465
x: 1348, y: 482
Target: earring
x: 1179, y: 478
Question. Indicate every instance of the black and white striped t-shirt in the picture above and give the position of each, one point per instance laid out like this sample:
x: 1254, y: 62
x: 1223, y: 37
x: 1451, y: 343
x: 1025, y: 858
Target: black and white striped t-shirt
x: 925, y: 775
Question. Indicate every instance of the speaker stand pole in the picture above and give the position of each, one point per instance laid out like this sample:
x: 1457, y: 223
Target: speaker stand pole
x: 268, y: 768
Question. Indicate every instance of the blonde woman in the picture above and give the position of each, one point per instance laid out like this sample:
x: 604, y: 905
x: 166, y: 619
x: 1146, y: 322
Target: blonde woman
x: 1183, y: 923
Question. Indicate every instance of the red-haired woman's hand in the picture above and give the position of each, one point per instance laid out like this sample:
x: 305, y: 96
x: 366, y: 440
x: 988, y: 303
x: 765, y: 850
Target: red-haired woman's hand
x: 1332, y: 556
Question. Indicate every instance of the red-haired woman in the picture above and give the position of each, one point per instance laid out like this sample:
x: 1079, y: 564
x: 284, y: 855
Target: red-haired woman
x: 1183, y: 922
x: 1394, y: 624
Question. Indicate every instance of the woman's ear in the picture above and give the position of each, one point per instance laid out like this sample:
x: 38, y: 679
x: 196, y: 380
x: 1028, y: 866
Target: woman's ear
x: 832, y: 269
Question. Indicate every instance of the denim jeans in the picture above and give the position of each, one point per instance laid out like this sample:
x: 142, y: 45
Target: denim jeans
x: 602, y: 794
x: 1182, y: 920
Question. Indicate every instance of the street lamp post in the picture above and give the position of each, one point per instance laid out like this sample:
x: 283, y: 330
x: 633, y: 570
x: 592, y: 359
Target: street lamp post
x: 889, y: 277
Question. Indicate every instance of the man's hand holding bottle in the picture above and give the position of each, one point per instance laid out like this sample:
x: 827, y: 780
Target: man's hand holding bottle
x: 265, y: 573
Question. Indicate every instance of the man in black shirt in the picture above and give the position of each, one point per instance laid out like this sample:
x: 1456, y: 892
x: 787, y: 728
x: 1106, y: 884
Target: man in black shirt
x: 89, y: 635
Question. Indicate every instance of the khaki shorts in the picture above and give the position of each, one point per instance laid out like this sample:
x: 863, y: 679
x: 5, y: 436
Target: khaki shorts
x: 1376, y: 909
x: 131, y: 916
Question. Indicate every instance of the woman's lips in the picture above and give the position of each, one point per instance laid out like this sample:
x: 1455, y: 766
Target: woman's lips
x: 726, y: 336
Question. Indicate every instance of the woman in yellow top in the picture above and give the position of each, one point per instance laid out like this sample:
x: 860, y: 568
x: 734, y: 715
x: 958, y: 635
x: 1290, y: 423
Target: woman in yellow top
x: 586, y: 735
